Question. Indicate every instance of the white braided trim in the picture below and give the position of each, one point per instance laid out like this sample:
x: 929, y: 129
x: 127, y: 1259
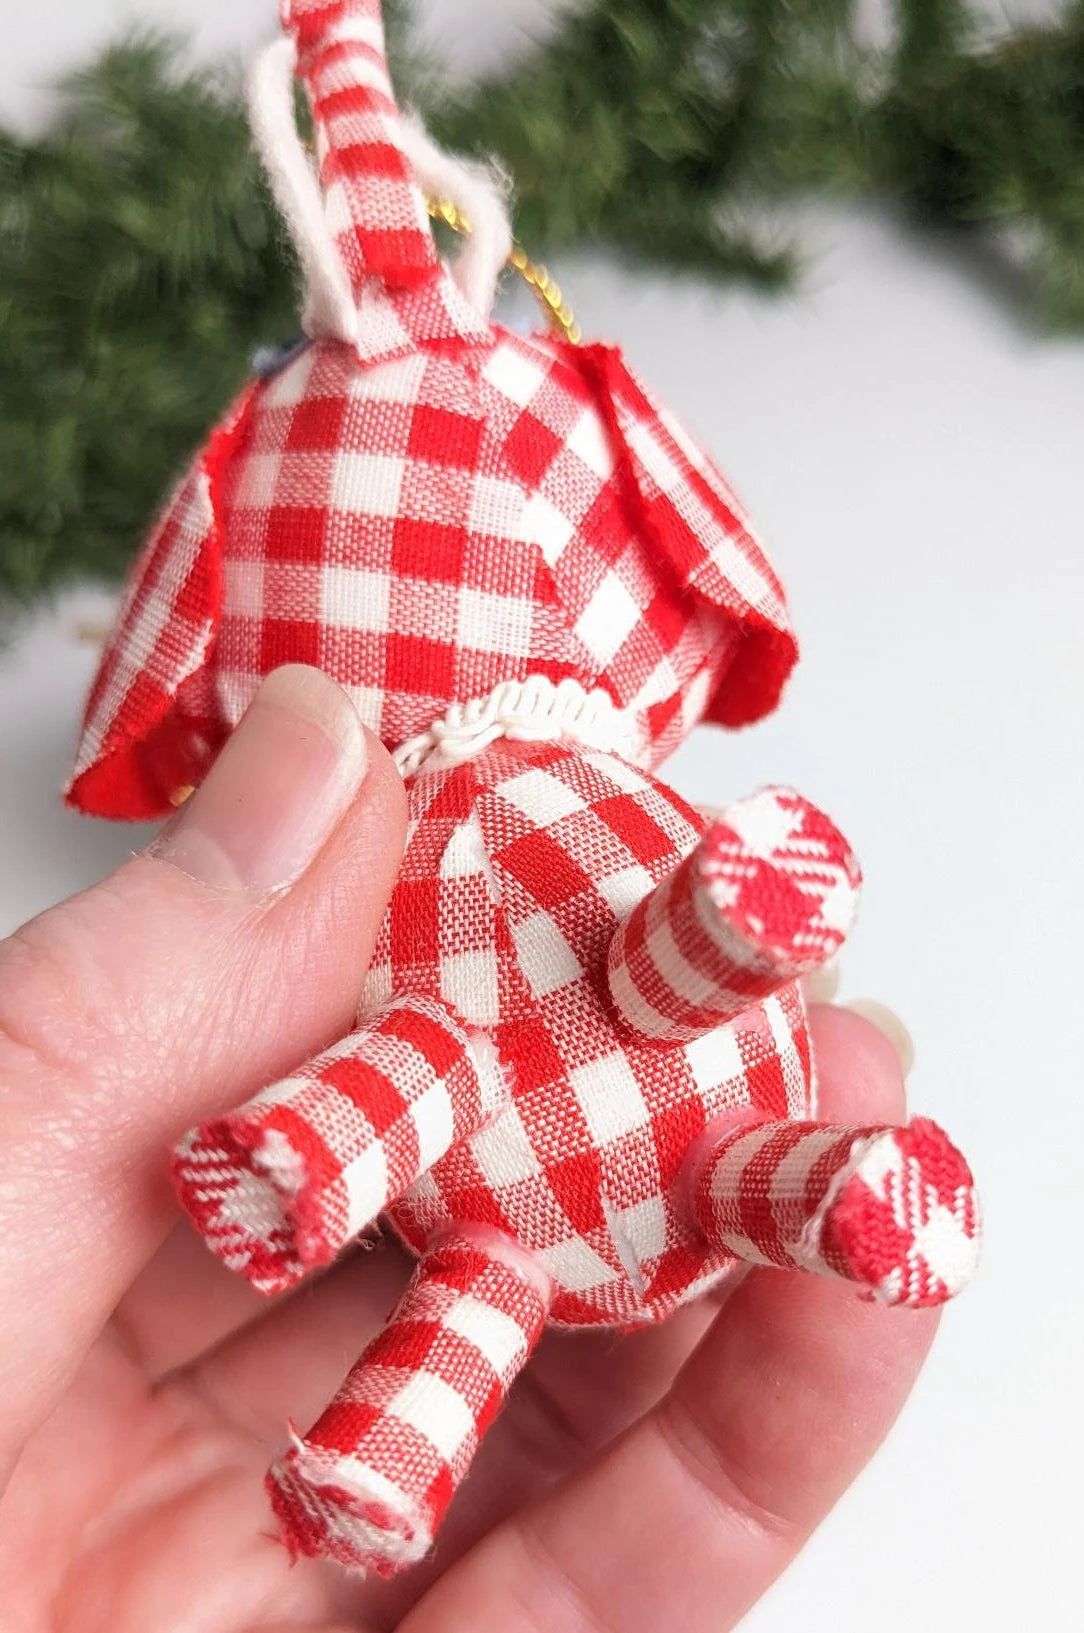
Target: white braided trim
x: 525, y: 711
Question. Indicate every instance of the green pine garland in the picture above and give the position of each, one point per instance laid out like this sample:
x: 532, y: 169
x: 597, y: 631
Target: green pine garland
x: 141, y: 263
x: 139, y: 266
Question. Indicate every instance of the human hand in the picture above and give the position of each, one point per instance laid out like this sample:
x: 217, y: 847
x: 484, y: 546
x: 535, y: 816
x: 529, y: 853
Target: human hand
x: 639, y: 1483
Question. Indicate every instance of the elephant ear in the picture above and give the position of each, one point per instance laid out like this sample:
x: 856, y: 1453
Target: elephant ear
x: 698, y: 525
x: 151, y: 727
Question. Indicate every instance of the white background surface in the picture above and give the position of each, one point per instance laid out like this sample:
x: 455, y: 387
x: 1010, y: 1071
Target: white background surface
x: 913, y: 457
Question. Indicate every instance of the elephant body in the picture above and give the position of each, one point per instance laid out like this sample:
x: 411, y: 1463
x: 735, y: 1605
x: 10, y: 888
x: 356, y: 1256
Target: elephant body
x: 580, y: 1084
x: 518, y: 870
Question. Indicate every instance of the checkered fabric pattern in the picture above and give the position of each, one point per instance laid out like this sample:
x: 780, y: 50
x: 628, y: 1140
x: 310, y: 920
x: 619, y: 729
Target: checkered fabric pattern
x: 519, y: 868
x: 283, y: 1184
x: 438, y: 509
x: 154, y: 681
x: 376, y: 212
x: 369, y: 1484
x: 374, y: 206
x: 892, y: 1209
x: 424, y: 529
x: 769, y: 894
x: 427, y: 528
x: 433, y: 512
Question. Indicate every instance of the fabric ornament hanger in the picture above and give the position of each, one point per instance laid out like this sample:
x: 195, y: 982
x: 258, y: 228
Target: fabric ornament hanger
x: 580, y: 1085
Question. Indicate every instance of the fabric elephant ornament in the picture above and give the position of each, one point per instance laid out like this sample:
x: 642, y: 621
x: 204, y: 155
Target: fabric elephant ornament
x: 580, y: 1086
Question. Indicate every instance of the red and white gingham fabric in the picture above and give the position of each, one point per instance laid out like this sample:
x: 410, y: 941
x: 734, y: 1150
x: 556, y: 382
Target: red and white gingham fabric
x: 281, y: 1185
x: 369, y: 1484
x: 892, y: 1209
x: 519, y: 869
x: 373, y: 204
x: 439, y: 509
x: 769, y: 892
x: 374, y: 208
x: 154, y: 682
x: 431, y: 526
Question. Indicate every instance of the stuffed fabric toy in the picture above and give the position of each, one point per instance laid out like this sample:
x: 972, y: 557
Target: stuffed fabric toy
x: 580, y: 1087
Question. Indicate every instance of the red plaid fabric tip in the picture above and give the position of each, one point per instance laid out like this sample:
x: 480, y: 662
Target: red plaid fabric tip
x: 369, y: 1484
x: 891, y: 1209
x: 281, y: 1185
x: 375, y: 207
x: 768, y: 894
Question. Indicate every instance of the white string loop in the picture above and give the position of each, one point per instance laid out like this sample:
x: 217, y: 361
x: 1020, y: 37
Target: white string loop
x: 534, y: 710
x: 477, y: 190
x: 329, y: 312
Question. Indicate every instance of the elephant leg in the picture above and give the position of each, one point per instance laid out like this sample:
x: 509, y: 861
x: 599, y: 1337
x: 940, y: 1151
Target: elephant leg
x: 893, y: 1210
x: 369, y: 1484
x: 768, y: 895
x: 279, y: 1186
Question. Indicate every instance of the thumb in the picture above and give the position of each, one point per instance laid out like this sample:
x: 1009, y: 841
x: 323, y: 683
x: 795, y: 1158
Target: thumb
x: 202, y: 969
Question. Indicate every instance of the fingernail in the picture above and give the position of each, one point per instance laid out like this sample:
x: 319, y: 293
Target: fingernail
x: 280, y: 785
x: 820, y: 986
x: 889, y: 1023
